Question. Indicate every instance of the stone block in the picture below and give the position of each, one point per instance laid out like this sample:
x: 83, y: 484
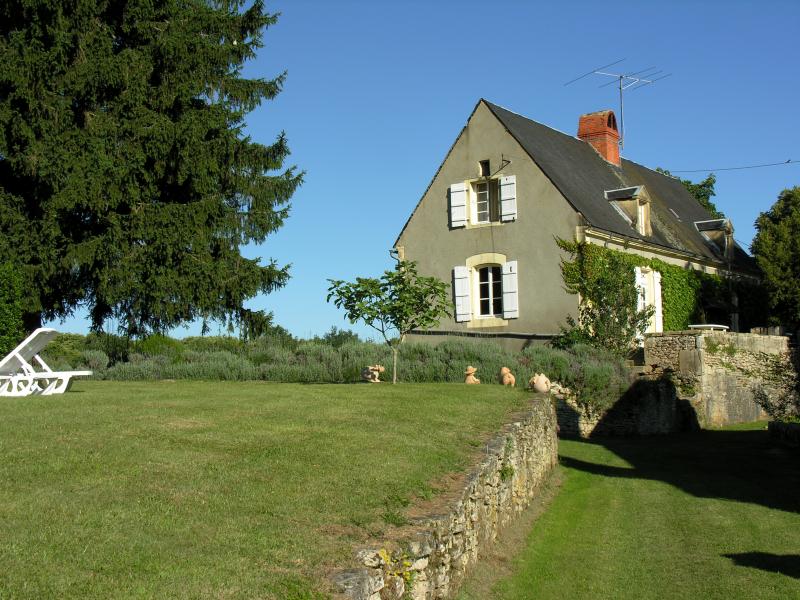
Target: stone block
x: 690, y: 362
x: 359, y: 583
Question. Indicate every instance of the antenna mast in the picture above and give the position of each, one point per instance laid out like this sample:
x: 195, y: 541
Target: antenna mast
x: 624, y: 81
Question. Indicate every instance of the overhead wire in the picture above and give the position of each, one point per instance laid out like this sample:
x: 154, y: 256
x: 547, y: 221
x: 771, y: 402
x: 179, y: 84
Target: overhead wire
x: 786, y: 162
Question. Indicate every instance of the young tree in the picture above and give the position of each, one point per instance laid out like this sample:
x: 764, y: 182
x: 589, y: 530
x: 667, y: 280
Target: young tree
x: 776, y: 248
x: 399, y: 302
x: 608, y: 313
x: 127, y: 184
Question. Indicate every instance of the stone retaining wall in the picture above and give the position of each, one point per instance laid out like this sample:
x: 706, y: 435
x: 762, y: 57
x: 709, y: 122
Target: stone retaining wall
x: 719, y: 373
x: 690, y: 379
x: 434, y: 558
x: 649, y: 407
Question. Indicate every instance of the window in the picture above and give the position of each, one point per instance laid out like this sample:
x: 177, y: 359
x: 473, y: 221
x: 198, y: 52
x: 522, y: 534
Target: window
x: 483, y: 201
x: 648, y: 284
x: 490, y: 291
x: 487, y: 201
x: 485, y: 290
x: 484, y: 169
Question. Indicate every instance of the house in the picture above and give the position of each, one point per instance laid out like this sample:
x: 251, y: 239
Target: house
x: 510, y: 186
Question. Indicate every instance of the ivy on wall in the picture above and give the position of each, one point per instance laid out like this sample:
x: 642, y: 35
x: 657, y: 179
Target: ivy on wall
x: 688, y: 296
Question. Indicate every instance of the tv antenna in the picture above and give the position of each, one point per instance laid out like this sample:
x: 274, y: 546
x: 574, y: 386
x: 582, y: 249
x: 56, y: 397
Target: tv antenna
x: 625, y: 81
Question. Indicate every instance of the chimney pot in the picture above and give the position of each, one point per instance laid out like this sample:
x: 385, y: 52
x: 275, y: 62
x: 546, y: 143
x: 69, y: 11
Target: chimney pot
x: 600, y: 130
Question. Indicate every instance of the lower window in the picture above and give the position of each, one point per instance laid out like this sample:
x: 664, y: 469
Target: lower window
x: 490, y: 291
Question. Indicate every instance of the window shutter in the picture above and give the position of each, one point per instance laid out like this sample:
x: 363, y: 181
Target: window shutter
x: 458, y: 205
x: 461, y: 293
x: 510, y: 291
x: 508, y: 198
x: 659, y: 316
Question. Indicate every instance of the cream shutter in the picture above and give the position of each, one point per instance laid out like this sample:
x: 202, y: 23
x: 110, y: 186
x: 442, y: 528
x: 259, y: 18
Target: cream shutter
x: 458, y: 205
x: 510, y: 291
x: 461, y: 293
x: 659, y: 314
x: 508, y: 198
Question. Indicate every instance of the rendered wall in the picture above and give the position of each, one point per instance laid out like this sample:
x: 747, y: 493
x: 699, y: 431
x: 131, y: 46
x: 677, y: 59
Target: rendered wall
x: 542, y: 214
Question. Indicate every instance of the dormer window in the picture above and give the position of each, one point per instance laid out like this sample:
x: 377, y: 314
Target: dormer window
x: 633, y: 204
x: 718, y: 234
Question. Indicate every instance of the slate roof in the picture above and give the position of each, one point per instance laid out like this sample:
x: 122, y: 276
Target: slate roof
x: 583, y: 176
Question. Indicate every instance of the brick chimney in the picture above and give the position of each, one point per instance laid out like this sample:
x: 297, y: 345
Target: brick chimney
x: 600, y: 130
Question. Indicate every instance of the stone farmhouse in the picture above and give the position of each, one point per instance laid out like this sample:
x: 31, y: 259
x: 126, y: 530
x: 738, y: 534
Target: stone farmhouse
x: 509, y: 186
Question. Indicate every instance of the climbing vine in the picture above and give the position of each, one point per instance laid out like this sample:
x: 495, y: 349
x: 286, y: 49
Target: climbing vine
x: 688, y: 296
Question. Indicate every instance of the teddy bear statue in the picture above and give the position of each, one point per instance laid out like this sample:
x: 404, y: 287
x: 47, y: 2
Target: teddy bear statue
x: 507, y: 377
x: 470, y: 375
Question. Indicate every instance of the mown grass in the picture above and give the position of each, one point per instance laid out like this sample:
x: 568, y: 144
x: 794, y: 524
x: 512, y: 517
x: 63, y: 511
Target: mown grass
x: 708, y: 515
x: 215, y: 490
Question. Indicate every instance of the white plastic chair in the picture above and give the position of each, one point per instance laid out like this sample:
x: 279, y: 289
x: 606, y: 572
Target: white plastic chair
x: 19, y: 376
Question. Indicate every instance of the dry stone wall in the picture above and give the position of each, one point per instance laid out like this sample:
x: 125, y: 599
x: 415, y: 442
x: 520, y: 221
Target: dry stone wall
x: 431, y: 562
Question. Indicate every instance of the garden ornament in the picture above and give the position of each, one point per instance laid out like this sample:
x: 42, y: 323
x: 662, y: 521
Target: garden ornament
x: 507, y: 377
x: 372, y: 373
x: 470, y: 375
x: 540, y: 383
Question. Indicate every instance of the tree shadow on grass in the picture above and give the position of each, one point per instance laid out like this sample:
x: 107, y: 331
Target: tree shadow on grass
x: 744, y: 466
x: 786, y: 564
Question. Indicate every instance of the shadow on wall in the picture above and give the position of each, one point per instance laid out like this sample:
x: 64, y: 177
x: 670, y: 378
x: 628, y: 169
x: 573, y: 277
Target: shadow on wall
x: 785, y: 564
x: 648, y: 407
x: 743, y: 466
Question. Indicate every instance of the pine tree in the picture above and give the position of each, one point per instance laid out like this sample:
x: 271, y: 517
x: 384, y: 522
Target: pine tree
x: 127, y: 184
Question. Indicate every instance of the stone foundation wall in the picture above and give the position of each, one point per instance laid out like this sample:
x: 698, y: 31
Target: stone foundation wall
x: 432, y: 560
x: 719, y: 373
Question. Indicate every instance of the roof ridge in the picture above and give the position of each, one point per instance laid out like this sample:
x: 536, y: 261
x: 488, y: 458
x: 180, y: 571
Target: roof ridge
x: 574, y: 137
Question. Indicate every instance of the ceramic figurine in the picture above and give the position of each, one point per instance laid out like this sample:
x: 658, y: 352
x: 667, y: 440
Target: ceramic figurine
x: 470, y: 375
x: 372, y: 373
x: 507, y: 377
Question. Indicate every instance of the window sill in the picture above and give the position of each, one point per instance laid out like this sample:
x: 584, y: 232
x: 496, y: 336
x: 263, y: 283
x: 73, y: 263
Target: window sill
x: 487, y: 322
x: 489, y: 224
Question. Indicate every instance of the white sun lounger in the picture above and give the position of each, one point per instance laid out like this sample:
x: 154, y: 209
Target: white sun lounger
x: 19, y: 376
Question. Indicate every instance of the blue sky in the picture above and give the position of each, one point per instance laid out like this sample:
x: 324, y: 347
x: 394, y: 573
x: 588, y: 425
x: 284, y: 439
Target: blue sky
x: 377, y: 92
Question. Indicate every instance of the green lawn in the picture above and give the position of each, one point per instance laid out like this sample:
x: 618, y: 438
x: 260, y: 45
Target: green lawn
x: 708, y: 515
x: 218, y: 490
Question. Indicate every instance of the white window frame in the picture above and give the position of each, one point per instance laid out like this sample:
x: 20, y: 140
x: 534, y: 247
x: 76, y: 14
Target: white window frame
x: 466, y: 291
x: 491, y: 296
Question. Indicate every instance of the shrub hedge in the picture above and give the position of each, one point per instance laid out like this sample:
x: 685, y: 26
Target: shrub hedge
x: 597, y: 378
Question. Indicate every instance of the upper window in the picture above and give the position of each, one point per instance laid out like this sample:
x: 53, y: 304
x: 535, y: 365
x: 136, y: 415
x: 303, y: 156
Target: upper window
x: 484, y: 168
x: 487, y: 201
x: 490, y: 291
x: 483, y: 201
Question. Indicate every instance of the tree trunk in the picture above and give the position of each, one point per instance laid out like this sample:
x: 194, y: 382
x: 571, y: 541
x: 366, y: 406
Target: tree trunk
x: 394, y: 365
